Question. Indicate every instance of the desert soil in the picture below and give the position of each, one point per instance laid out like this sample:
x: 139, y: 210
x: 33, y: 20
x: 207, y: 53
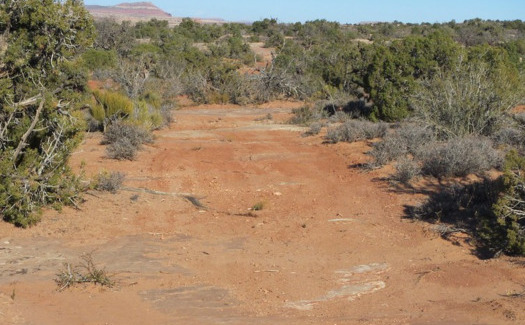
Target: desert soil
x: 331, y: 244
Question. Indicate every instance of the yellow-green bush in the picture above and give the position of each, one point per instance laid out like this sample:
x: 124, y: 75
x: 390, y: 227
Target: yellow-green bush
x: 97, y: 112
x: 146, y: 112
x: 147, y: 116
x: 153, y: 98
x: 114, y: 104
x: 215, y: 97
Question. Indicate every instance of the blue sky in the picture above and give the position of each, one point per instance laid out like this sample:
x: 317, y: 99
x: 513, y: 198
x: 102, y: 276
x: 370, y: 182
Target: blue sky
x: 344, y: 11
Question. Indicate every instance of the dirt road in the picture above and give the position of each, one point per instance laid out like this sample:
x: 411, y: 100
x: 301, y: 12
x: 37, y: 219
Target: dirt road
x: 329, y: 244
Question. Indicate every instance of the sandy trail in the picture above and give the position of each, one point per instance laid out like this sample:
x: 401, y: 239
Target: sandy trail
x: 330, y: 245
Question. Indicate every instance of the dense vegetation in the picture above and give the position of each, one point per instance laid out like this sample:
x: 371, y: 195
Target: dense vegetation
x: 379, y: 63
x: 439, y: 96
x: 42, y: 87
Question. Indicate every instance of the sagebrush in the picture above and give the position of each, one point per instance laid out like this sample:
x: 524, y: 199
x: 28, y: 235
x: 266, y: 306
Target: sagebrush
x: 124, y: 140
x: 109, y: 181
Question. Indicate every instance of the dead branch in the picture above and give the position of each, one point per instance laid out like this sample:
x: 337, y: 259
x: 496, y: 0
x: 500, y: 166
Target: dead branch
x: 23, y: 140
x: 187, y: 196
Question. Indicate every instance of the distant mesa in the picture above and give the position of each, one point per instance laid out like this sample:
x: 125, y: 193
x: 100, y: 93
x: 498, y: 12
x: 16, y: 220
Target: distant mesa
x: 147, y: 7
x: 136, y: 11
x: 140, y: 11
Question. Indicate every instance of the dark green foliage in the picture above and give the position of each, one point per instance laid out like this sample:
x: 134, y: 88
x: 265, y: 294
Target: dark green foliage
x: 516, y: 51
x: 42, y: 85
x: 341, y: 65
x: 504, y: 230
x: 319, y: 32
x: 263, y: 27
x: 477, y: 32
x: 396, y: 67
x: 201, y: 32
x: 233, y: 47
x: 96, y: 59
x: 288, y: 76
x: 154, y: 29
x: 310, y: 61
x: 275, y: 39
x: 112, y: 36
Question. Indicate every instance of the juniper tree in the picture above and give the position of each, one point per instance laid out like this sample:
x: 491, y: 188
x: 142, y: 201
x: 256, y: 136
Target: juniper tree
x: 41, y: 89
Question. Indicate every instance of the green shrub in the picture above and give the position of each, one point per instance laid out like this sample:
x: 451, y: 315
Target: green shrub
x: 504, y: 230
x: 42, y: 87
x: 147, y: 116
x: 22, y: 195
x: 235, y: 88
x: 395, y: 68
x: 95, y: 59
x: 274, y: 40
x: 258, y: 206
x: 152, y: 98
x: 98, y: 113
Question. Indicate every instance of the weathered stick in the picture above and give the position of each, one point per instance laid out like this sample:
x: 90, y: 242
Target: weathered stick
x: 187, y: 196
